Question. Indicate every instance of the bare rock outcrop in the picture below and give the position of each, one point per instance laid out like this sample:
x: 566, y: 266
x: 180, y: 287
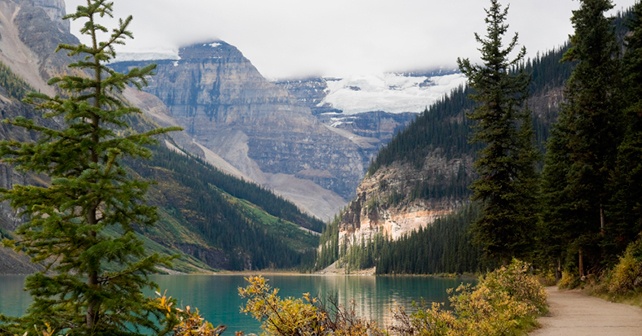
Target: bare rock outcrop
x: 227, y: 106
x: 402, y: 198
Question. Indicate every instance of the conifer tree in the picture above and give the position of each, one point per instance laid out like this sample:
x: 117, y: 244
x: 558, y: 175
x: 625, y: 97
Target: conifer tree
x: 582, y: 149
x: 626, y: 206
x: 80, y: 225
x: 505, y: 165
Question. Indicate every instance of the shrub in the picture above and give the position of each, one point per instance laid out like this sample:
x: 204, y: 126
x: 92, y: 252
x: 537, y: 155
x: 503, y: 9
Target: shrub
x: 185, y: 322
x: 300, y: 316
x: 504, y: 302
x: 569, y: 280
x: 627, y: 274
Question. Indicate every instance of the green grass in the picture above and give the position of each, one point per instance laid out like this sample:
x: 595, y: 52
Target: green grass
x: 291, y: 233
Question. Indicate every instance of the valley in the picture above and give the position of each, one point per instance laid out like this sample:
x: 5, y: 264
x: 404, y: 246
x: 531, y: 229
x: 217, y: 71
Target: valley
x: 192, y: 169
x: 299, y: 138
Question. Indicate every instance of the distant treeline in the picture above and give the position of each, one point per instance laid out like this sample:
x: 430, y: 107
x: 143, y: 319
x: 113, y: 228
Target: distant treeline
x: 15, y: 86
x: 442, y: 247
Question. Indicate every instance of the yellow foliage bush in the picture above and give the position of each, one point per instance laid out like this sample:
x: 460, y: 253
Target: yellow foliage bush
x: 504, y: 302
x: 626, y: 276
x: 185, y: 322
x: 301, y: 316
x: 569, y: 280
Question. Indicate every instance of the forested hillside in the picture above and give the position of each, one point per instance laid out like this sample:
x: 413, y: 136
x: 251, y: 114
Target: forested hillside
x: 223, y: 221
x: 444, y: 130
x: 443, y: 247
x: 444, y: 126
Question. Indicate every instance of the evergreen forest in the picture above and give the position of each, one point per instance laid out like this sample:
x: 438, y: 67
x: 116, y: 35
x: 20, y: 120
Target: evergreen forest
x: 581, y: 210
x: 239, y: 225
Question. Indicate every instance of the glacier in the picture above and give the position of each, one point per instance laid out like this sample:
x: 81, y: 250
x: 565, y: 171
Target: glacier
x: 389, y: 92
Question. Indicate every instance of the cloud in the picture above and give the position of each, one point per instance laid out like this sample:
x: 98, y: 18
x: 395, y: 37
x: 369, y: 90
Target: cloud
x: 289, y: 38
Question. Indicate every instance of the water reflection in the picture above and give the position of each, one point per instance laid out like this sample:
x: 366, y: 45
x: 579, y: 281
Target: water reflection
x: 216, y: 296
x: 372, y: 297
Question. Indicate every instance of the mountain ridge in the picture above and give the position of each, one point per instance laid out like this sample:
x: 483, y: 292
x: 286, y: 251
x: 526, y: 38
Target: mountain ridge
x: 264, y: 232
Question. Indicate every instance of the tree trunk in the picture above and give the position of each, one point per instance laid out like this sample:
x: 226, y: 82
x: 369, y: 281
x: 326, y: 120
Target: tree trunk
x: 602, y: 220
x: 92, y: 306
x: 581, y: 266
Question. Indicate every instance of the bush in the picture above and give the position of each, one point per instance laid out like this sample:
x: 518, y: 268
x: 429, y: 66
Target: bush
x: 626, y: 276
x: 184, y: 322
x: 301, y: 316
x: 504, y: 302
x: 569, y: 280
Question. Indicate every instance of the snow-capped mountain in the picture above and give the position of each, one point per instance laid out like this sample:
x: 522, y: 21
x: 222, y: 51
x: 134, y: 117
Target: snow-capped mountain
x: 373, y: 106
x: 309, y: 140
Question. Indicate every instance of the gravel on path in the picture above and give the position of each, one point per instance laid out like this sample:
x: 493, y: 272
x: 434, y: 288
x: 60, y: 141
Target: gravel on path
x: 573, y: 313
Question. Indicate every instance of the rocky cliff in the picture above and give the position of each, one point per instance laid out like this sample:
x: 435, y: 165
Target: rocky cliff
x: 401, y: 198
x: 259, y: 128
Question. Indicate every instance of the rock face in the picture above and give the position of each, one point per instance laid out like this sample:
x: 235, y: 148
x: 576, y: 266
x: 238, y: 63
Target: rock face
x: 276, y: 134
x: 390, y: 203
x: 55, y: 9
x: 34, y: 21
x: 224, y: 104
x: 30, y: 32
x: 377, y: 126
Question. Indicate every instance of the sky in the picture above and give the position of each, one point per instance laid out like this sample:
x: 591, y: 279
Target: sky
x: 340, y: 38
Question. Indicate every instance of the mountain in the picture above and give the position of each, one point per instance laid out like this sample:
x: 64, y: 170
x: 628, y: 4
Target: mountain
x: 211, y: 220
x: 248, y: 123
x: 374, y: 123
x: 412, y: 213
x: 423, y: 173
x: 298, y: 137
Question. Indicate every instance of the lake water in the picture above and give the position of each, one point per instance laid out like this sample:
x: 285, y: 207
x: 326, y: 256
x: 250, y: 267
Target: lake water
x: 216, y: 296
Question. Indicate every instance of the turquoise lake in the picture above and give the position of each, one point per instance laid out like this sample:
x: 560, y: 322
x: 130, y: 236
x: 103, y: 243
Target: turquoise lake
x: 216, y: 296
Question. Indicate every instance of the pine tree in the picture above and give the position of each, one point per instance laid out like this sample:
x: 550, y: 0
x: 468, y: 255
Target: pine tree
x: 80, y: 225
x: 506, y: 164
x: 581, y: 151
x: 626, y: 206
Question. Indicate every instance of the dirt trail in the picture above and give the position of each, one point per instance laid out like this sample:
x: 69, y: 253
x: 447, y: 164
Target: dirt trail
x: 573, y: 314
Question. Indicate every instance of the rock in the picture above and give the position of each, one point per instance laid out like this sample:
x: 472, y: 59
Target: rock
x: 385, y: 203
x: 34, y: 22
x: 226, y: 105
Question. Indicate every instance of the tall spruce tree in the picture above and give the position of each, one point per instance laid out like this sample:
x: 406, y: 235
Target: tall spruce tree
x: 81, y: 223
x: 581, y: 152
x: 626, y: 208
x: 506, y: 184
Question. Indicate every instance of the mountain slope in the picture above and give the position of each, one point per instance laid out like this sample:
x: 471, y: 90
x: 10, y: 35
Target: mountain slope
x: 225, y: 222
x: 209, y: 219
x: 224, y: 104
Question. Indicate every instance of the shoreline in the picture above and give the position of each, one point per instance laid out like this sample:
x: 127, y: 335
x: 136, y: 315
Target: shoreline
x: 362, y: 273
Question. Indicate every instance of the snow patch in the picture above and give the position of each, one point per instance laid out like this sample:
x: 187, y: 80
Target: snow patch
x: 147, y: 56
x: 392, y: 93
x: 215, y: 45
